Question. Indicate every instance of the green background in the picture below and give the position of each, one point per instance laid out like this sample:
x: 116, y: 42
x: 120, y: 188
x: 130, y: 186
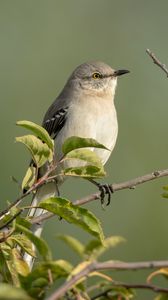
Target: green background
x: 41, y: 42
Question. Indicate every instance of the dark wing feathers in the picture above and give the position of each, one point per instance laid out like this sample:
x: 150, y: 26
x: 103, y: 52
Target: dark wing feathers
x: 55, y: 123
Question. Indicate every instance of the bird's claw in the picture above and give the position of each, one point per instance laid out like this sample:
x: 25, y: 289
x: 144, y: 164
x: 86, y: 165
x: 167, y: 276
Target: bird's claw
x: 105, y: 189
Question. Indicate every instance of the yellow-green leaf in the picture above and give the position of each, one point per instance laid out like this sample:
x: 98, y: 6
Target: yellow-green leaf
x: 39, y: 131
x: 72, y: 243
x: 7, y: 254
x: 40, y: 244
x: 20, y: 265
x: 162, y: 271
x: 87, y: 155
x: 94, y: 248
x: 75, y: 142
x: 40, y: 151
x: 85, y: 171
x: 29, y: 178
x: 74, y: 214
x: 9, y: 292
x: 38, y: 280
x: 24, y: 242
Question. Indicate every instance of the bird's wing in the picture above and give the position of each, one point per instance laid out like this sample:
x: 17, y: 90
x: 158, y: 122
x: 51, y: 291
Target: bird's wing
x: 54, y: 121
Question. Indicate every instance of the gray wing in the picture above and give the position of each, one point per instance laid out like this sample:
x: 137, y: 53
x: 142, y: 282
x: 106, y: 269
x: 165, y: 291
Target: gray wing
x: 55, y: 118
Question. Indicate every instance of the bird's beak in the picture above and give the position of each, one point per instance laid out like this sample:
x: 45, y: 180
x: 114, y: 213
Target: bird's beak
x: 120, y: 72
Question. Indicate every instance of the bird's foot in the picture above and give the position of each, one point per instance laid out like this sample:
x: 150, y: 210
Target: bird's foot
x: 105, y: 189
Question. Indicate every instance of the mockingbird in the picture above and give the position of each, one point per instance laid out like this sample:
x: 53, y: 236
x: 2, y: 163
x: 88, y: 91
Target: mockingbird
x: 85, y: 108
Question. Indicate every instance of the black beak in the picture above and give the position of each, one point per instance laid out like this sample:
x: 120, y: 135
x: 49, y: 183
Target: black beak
x: 120, y: 72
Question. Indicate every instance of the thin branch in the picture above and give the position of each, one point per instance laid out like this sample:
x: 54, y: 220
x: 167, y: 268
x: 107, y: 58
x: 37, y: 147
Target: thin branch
x: 157, y: 61
x: 154, y: 288
x: 11, y: 220
x: 130, y: 184
x: 108, y: 265
x: 43, y: 180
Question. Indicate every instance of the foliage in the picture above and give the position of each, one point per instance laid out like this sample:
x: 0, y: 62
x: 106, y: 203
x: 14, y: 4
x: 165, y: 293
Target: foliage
x: 18, y: 281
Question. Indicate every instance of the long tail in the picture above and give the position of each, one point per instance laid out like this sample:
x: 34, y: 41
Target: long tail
x: 46, y: 191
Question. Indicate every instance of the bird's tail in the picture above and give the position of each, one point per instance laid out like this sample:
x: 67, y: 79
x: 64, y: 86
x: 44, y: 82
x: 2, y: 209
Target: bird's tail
x: 46, y: 191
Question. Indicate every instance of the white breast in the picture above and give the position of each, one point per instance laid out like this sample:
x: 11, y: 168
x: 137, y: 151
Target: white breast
x: 99, y: 122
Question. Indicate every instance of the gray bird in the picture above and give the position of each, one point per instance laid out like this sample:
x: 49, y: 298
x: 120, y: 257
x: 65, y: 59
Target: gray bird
x: 85, y: 108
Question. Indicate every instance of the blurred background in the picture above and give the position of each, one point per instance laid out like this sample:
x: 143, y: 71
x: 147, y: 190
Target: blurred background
x: 41, y: 43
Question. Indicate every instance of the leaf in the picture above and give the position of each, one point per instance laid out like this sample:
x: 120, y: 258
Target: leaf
x: 39, y: 279
x: 94, y: 248
x: 74, y: 214
x: 163, y: 296
x: 9, y: 292
x: 86, y: 155
x: 162, y: 271
x: 165, y: 195
x: 165, y: 187
x: 78, y: 269
x: 120, y: 292
x: 86, y: 172
x: 40, y: 244
x: 7, y: 254
x: 39, y: 131
x: 102, y: 275
x: 24, y: 242
x: 72, y: 243
x: 29, y: 178
x: 24, y: 222
x: 40, y: 152
x: 75, y: 142
x: 20, y: 265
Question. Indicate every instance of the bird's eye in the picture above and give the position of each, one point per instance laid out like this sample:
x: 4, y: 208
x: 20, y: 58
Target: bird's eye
x: 96, y: 75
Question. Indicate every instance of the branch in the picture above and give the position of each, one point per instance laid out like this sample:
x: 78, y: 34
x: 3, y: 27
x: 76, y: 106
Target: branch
x: 157, y: 61
x: 108, y: 265
x: 152, y: 287
x: 130, y: 184
x: 43, y: 180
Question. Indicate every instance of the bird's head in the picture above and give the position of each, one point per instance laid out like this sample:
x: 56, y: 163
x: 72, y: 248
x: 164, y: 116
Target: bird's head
x: 96, y: 77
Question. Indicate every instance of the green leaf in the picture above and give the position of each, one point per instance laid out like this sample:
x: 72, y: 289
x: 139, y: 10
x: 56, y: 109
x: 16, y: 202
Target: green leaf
x: 38, y: 131
x: 24, y: 222
x: 72, y: 243
x: 94, y: 248
x: 24, y: 242
x: 165, y: 187
x: 75, y: 142
x: 165, y: 195
x: 9, y: 292
x: 40, y: 152
x: 86, y: 155
x: 38, y: 280
x: 86, y: 172
x: 29, y: 178
x: 20, y: 265
x: 119, y: 292
x: 8, y: 256
x: 74, y: 214
x: 40, y: 244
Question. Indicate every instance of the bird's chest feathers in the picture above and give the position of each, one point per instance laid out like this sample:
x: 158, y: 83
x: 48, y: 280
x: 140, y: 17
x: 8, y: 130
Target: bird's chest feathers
x: 94, y: 119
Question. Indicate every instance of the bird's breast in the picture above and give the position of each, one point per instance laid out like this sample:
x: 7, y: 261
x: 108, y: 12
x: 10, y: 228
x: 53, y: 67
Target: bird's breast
x: 91, y: 119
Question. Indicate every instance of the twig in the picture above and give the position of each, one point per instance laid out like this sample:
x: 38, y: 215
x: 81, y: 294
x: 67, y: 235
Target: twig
x: 157, y: 61
x: 11, y: 220
x: 43, y: 180
x: 130, y: 184
x: 154, y: 288
x: 108, y: 265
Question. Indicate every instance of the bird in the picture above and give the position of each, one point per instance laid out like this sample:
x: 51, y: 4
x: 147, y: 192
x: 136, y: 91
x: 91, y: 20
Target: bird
x: 84, y: 108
